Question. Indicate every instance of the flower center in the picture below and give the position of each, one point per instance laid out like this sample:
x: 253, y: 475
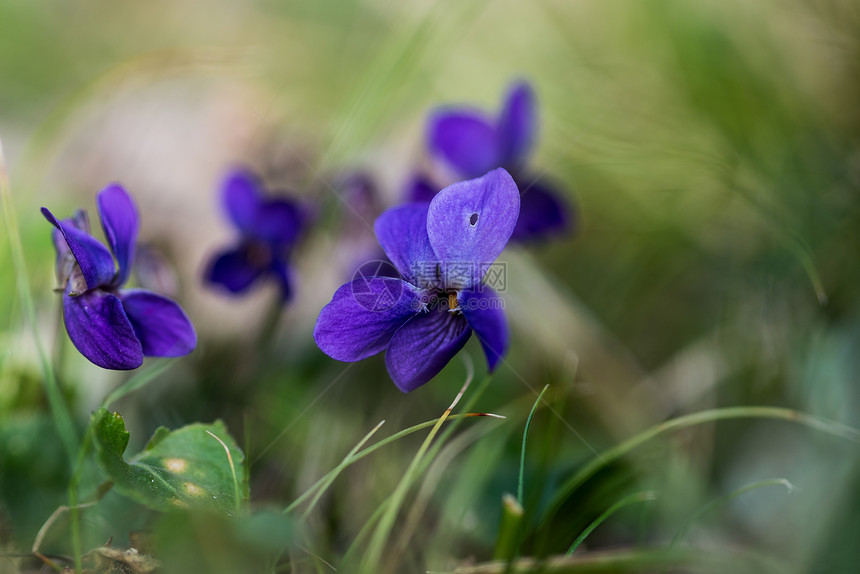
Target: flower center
x: 69, y: 272
x: 453, y: 304
x: 259, y: 254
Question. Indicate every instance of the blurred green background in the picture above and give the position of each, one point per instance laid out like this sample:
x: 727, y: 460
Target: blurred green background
x: 712, y: 150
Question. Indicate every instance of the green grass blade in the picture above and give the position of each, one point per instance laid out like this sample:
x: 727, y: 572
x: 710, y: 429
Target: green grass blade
x: 634, y: 498
x: 137, y: 381
x: 371, y: 560
x: 331, y: 476
x: 625, y: 560
x: 831, y: 427
x: 724, y: 499
x: 431, y: 480
x: 59, y: 408
x: 509, y: 529
x: 371, y: 449
x: 523, y: 450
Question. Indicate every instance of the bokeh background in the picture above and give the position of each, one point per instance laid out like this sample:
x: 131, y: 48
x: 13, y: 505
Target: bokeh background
x: 710, y: 150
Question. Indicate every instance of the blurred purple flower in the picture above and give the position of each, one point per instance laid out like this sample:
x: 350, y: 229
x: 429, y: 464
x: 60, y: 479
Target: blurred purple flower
x: 471, y: 143
x: 268, y: 229
x: 420, y: 189
x: 442, y: 251
x: 113, y: 328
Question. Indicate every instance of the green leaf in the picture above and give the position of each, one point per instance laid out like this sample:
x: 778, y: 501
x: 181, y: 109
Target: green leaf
x: 178, y: 469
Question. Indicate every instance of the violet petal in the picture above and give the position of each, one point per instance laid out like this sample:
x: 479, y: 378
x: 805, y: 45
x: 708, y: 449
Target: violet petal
x: 94, y: 259
x: 363, y: 315
x: 120, y: 223
x: 423, y: 346
x: 234, y: 269
x: 517, y: 125
x: 469, y: 224
x: 79, y: 221
x: 99, y: 328
x: 240, y: 194
x: 420, y: 190
x: 466, y: 139
x: 278, y: 221
x: 543, y: 213
x: 66, y: 268
x: 484, y: 311
x: 159, y: 323
x: 402, y: 232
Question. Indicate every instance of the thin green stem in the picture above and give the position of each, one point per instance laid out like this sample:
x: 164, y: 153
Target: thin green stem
x: 138, y: 380
x: 59, y: 408
x: 72, y: 490
x: 634, y: 498
x: 523, y: 449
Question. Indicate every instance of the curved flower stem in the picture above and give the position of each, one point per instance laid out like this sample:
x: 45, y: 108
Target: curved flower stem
x: 586, y: 472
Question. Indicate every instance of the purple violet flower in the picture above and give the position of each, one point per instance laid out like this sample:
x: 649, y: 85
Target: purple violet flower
x: 114, y: 328
x: 420, y: 189
x: 471, y: 143
x: 443, y: 250
x: 268, y: 229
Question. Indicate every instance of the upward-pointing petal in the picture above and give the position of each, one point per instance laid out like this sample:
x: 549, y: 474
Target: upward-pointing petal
x: 120, y: 224
x: 466, y: 140
x: 240, y: 193
x: 94, y: 259
x: 402, y: 232
x: 236, y: 268
x: 543, y: 213
x: 517, y: 124
x: 278, y: 222
x: 469, y: 224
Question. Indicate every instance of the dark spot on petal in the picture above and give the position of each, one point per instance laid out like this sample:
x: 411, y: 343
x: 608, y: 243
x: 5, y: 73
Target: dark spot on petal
x: 473, y: 219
